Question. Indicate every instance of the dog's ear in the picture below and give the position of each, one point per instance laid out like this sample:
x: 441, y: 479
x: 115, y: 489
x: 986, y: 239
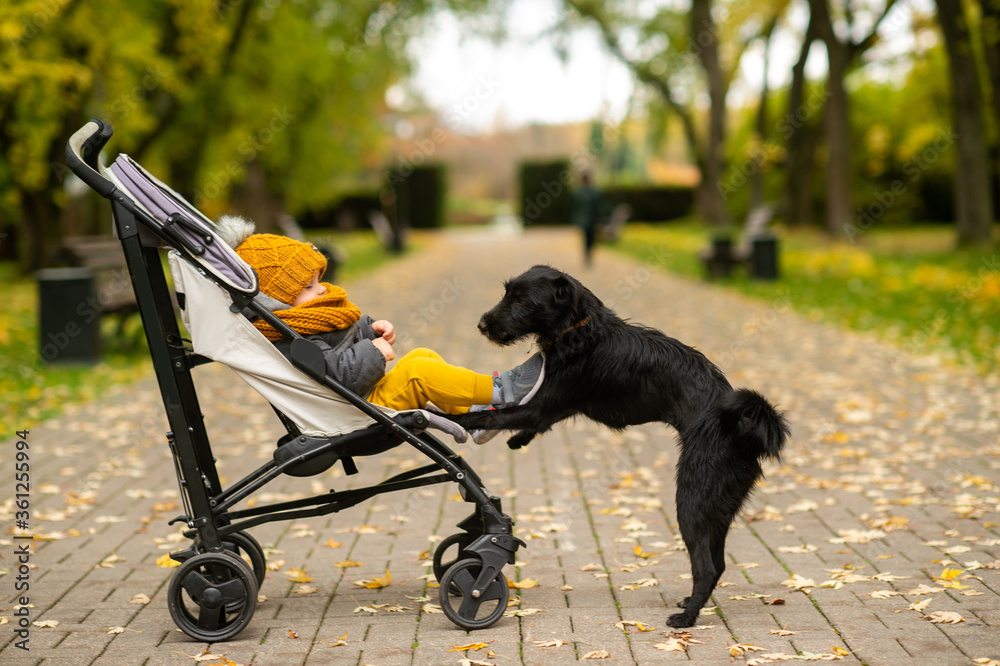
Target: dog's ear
x: 567, y: 290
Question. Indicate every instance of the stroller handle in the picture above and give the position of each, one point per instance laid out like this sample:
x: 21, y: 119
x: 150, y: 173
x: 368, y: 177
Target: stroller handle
x: 83, y: 151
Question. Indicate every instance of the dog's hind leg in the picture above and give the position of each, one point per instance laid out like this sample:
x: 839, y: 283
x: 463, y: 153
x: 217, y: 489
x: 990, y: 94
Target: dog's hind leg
x: 703, y: 515
x: 705, y: 576
x: 717, y: 549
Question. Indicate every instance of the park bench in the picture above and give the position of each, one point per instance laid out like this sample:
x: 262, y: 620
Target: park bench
x: 384, y: 232
x: 103, y: 256
x: 612, y: 230
x: 757, y: 249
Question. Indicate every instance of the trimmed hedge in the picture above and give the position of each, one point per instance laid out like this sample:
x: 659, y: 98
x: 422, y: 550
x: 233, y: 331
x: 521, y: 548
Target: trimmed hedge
x: 420, y: 193
x: 652, y: 203
x: 545, y: 196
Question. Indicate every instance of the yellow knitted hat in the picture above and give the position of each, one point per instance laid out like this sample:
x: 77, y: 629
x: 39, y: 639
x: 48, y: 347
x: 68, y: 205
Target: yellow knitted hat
x: 284, y: 266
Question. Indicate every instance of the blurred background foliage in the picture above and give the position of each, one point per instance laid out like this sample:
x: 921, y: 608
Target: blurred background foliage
x: 239, y: 104
x: 276, y: 106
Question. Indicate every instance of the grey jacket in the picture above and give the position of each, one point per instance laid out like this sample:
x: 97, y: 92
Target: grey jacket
x: 351, y: 358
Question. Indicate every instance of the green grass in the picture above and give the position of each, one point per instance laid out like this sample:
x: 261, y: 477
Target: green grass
x: 907, y: 285
x: 35, y: 390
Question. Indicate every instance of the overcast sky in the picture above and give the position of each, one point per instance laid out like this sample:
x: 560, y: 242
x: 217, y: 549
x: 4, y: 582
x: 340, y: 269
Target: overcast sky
x: 527, y: 81
x: 478, y: 85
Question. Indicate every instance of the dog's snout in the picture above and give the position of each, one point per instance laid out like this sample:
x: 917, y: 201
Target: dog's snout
x: 483, y: 325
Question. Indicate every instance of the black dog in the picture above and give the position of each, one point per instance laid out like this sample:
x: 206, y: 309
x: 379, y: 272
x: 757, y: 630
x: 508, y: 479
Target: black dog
x: 620, y: 374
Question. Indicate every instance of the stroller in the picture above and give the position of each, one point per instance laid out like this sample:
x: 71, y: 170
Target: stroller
x: 213, y: 593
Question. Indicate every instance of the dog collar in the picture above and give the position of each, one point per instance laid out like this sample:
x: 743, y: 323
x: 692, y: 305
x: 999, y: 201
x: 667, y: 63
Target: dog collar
x: 582, y: 322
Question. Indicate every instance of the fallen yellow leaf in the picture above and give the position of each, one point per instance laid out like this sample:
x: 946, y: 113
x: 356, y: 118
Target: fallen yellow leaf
x: 597, y: 654
x: 526, y: 584
x: 470, y: 646
x: 797, y: 582
x: 296, y: 575
x: 739, y: 648
x: 944, y: 617
x: 632, y: 623
x: 344, y: 564
x: 375, y: 583
x: 166, y: 562
x: 671, y: 645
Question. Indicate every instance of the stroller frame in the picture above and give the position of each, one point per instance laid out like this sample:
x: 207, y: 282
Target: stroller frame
x: 213, y: 593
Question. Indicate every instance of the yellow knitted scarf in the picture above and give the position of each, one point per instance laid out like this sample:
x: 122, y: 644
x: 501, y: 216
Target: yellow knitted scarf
x: 330, y: 312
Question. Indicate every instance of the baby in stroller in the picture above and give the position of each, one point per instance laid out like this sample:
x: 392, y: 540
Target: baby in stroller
x: 356, y: 347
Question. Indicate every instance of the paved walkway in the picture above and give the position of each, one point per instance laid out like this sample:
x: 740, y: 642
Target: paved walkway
x: 886, y: 503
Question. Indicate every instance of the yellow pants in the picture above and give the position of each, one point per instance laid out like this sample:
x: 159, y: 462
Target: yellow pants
x: 422, y: 376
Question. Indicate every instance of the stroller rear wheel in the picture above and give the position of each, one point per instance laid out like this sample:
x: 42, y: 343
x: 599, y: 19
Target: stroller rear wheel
x: 212, y: 596
x: 459, y: 604
x: 443, y: 559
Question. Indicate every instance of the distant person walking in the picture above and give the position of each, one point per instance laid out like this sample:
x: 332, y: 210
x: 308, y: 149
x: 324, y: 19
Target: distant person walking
x: 588, y: 211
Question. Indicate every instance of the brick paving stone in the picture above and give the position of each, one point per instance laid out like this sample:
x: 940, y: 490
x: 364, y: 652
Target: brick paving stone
x: 878, y: 435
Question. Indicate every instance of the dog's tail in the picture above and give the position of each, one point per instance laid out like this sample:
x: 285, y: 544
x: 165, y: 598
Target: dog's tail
x: 755, y: 424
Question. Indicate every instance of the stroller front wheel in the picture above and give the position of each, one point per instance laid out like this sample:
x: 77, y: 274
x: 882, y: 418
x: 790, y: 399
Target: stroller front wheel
x: 212, y: 596
x: 458, y: 602
x: 244, y: 546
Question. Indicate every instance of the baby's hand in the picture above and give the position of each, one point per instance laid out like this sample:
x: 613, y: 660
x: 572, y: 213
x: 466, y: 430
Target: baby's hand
x: 383, y: 346
x: 386, y: 330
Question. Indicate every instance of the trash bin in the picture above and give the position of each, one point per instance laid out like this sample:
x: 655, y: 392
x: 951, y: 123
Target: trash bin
x: 764, y: 258
x: 719, y: 264
x: 69, y: 325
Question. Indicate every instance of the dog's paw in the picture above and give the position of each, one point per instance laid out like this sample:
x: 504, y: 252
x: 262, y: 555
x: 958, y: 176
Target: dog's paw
x: 683, y: 603
x: 681, y: 620
x: 519, y: 440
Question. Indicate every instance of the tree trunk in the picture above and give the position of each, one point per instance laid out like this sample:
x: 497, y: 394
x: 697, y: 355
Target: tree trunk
x: 991, y: 45
x: 40, y: 230
x: 799, y: 140
x: 706, y: 43
x: 41, y: 213
x: 836, y: 120
x: 838, y: 139
x: 974, y: 208
x: 757, y: 176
